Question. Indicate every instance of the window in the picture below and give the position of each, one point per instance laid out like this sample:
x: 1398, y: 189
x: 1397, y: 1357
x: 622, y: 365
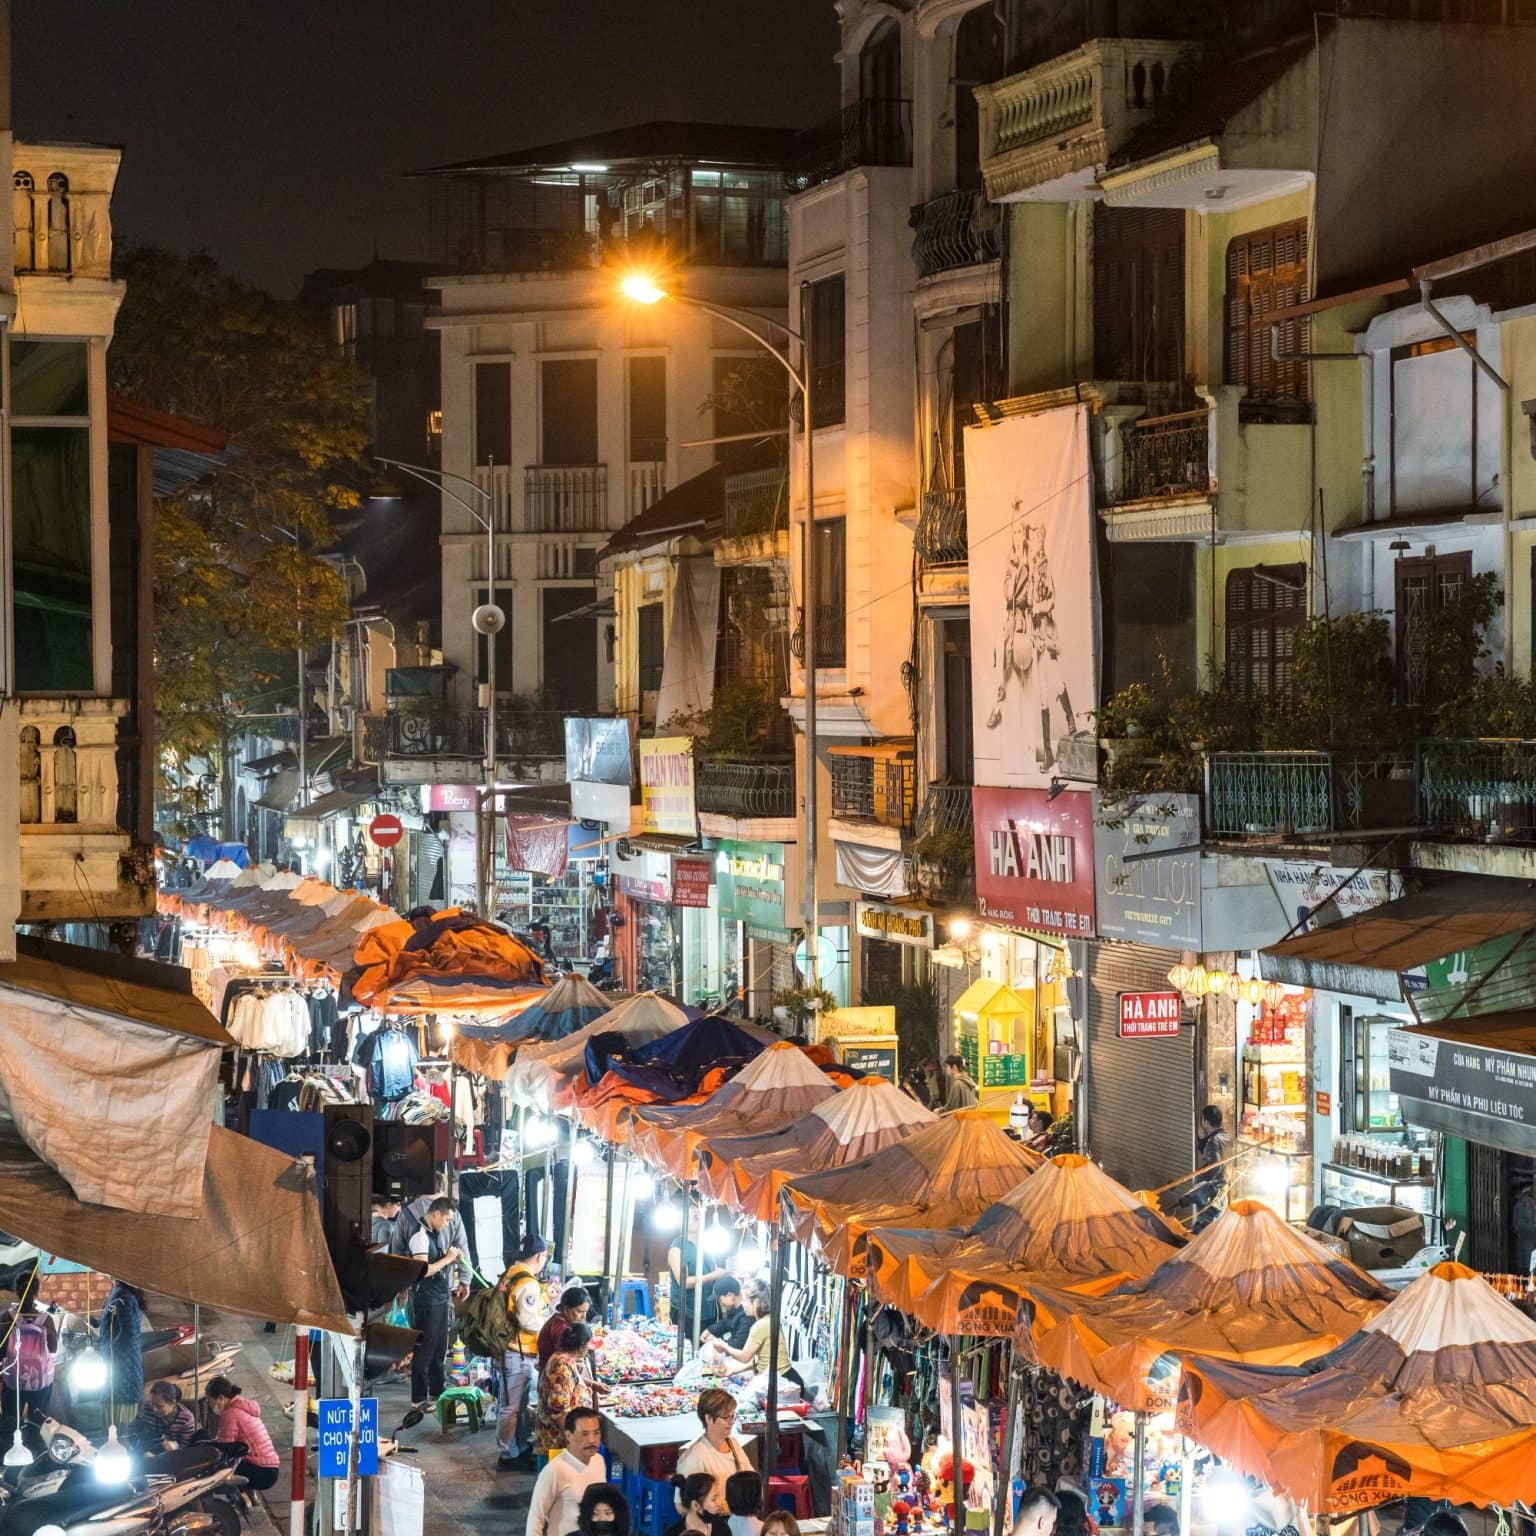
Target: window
x: 1138, y: 293
x: 647, y: 409
x: 51, y: 515
x: 493, y: 413
x: 978, y: 61
x: 1266, y: 271
x: 650, y: 648
x: 880, y: 63
x: 1424, y: 585
x: 1266, y: 605
x: 977, y: 373
x: 957, y: 760
x: 568, y: 411
x: 824, y: 316
x: 831, y: 592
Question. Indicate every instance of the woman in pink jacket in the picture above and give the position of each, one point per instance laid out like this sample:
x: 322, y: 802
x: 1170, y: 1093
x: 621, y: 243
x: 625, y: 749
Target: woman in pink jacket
x: 240, y: 1419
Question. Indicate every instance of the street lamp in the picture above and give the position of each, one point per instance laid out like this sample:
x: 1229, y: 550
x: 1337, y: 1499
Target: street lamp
x: 488, y: 620
x: 642, y: 288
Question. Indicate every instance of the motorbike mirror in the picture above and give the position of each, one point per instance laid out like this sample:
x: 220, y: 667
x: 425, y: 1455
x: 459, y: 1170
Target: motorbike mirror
x: 413, y: 1418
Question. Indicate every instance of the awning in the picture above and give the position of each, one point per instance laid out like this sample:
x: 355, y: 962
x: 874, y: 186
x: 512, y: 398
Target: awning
x: 273, y: 760
x: 280, y: 790
x: 339, y: 801
x: 1461, y: 943
x: 603, y: 608
x: 1473, y: 1078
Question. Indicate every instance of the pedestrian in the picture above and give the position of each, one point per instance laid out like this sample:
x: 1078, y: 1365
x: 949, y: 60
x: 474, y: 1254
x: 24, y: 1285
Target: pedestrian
x: 1212, y: 1147
x: 436, y: 1234
x: 555, y: 1507
x: 779, y: 1522
x: 915, y: 1086
x: 699, y: 1498
x: 1037, y: 1513
x: 604, y: 1511
x: 164, y: 1422
x: 716, y: 1451
x: 122, y: 1330
x: 26, y: 1365
x: 532, y: 1254
x: 239, y: 1419
x: 686, y: 1257
x: 565, y: 1383
x: 960, y: 1087
x: 743, y: 1499
x: 1159, y: 1519
x: 575, y: 1306
x: 732, y: 1320
x: 1041, y: 1128
x: 386, y: 1215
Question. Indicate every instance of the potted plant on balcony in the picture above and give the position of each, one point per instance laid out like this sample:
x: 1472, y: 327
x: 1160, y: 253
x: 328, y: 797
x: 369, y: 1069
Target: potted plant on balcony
x: 800, y: 1006
x: 944, y: 861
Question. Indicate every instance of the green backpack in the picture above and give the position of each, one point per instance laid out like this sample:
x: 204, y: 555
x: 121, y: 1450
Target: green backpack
x: 485, y: 1325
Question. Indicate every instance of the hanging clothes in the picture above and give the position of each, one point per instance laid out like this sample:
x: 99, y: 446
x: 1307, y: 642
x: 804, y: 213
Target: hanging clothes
x: 324, y: 1025
x: 274, y: 1020
x: 388, y: 1057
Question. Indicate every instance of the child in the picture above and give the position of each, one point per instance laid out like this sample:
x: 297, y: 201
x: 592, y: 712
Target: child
x: 744, y: 1498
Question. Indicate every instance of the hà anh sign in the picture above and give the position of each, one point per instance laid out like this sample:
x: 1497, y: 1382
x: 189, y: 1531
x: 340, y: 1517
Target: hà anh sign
x: 1150, y: 1015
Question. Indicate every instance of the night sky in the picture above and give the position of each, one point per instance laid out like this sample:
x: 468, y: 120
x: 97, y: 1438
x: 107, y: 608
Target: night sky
x: 274, y: 132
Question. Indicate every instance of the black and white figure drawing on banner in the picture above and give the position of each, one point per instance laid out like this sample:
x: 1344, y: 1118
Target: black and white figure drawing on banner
x: 1029, y: 519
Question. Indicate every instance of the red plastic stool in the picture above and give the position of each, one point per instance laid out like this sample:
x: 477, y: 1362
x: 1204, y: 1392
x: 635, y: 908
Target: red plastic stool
x: 792, y: 1491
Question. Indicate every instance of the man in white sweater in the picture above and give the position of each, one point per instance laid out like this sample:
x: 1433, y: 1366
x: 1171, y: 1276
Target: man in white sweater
x: 559, y: 1487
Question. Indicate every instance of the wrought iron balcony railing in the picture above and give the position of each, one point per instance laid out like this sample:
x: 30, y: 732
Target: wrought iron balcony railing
x: 941, y: 538
x: 1484, y: 790
x: 946, y: 809
x: 877, y: 789
x: 565, y: 498
x: 958, y: 229
x: 877, y: 131
x: 519, y: 734
x: 1165, y: 456
x: 756, y: 502
x: 746, y: 789
x: 1300, y: 794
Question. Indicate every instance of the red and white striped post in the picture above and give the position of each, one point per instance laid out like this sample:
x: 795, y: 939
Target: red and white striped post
x: 300, y: 1430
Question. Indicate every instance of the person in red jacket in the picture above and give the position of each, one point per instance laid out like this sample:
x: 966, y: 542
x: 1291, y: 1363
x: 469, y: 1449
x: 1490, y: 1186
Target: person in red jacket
x: 240, y: 1419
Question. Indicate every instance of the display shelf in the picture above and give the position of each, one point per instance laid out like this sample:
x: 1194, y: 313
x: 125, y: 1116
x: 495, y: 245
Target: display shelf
x: 1359, y: 1186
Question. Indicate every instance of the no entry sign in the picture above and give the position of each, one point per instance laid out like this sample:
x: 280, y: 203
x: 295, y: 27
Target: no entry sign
x: 386, y: 831
x: 1150, y: 1015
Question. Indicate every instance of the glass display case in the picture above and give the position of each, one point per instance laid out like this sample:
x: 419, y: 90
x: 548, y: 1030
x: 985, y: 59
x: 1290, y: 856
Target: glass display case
x: 1351, y: 1188
x: 1372, y: 1105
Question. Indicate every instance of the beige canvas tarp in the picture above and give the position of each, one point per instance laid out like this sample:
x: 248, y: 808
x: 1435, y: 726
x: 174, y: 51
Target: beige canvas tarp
x: 253, y: 1246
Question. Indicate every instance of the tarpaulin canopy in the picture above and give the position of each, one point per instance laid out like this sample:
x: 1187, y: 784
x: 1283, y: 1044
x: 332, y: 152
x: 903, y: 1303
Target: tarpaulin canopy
x: 445, y: 962
x: 1069, y: 1225
x: 780, y: 1082
x: 571, y: 1004
x: 1249, y: 1287
x: 747, y: 1172
x: 542, y: 1070
x: 1435, y: 1397
x: 226, y: 867
x: 252, y: 1242
x: 947, y: 1173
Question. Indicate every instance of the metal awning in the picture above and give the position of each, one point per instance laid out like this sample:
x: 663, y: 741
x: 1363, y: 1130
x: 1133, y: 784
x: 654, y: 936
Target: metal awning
x: 1436, y: 949
x: 271, y: 762
x: 280, y: 790
x: 602, y: 608
x: 347, y: 798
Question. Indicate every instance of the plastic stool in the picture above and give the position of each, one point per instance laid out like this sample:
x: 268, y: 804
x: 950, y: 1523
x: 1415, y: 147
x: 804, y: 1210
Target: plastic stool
x: 791, y: 1444
x: 638, y: 1289
x: 791, y: 1491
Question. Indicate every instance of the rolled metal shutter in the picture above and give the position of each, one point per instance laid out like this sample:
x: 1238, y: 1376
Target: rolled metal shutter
x: 1141, y: 1093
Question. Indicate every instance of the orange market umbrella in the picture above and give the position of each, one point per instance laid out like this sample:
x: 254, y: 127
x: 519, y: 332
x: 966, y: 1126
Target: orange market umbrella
x: 946, y: 1174
x: 1435, y: 1396
x: 1068, y: 1225
x: 747, y: 1172
x: 1248, y: 1288
x: 782, y: 1082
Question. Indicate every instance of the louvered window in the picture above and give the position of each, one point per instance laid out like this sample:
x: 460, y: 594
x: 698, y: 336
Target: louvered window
x: 1138, y: 294
x: 1267, y: 271
x: 1266, y: 605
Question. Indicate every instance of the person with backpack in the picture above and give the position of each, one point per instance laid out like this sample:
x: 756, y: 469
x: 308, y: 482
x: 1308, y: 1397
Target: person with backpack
x: 26, y: 1363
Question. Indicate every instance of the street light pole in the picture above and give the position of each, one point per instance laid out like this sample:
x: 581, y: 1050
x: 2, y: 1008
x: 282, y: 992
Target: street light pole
x: 488, y: 620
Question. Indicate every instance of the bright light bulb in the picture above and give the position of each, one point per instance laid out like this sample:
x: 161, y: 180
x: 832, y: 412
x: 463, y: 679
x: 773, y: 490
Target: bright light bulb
x: 18, y: 1455
x: 749, y: 1259
x: 1226, y: 1500
x: 113, y: 1463
x: 638, y: 288
x: 49, y: 1530
x: 539, y: 1133
x: 960, y: 929
x: 667, y: 1217
x: 716, y: 1240
x: 445, y: 1029
x: 1271, y: 1177
x: 585, y: 1153
x: 88, y: 1371
x: 643, y: 1185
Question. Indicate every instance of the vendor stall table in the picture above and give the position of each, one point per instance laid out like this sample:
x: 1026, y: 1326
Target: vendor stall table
x: 651, y: 1446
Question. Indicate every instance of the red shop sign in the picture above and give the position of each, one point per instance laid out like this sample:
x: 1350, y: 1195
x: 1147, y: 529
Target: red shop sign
x: 1034, y: 859
x: 1150, y: 1015
x: 690, y: 882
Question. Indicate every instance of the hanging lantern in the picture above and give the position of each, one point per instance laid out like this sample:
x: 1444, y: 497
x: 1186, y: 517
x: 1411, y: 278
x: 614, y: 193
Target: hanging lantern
x: 1274, y: 994
x: 1217, y: 982
x: 1251, y: 991
x: 1196, y: 983
x: 1178, y: 976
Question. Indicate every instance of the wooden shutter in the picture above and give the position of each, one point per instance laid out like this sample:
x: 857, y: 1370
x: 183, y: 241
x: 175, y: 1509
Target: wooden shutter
x: 1267, y: 271
x: 1266, y: 606
x: 1423, y: 585
x: 1138, y: 294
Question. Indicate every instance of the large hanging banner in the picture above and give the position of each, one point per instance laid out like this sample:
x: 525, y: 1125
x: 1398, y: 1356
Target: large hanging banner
x: 1034, y: 602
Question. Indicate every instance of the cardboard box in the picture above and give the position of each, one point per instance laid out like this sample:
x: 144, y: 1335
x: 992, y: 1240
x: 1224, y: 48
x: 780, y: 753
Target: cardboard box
x: 1382, y: 1236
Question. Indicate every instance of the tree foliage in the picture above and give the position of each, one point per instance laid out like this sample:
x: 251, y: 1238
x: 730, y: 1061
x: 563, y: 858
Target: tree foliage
x: 238, y: 584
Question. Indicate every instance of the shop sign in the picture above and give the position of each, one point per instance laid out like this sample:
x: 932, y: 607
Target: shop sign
x: 1034, y: 859
x: 450, y: 797
x: 750, y: 877
x: 1146, y: 854
x: 873, y: 1055
x: 1312, y: 894
x: 643, y: 875
x: 1150, y: 1015
x: 1324, y: 1104
x: 690, y: 882
x: 1500, y: 972
x: 597, y: 752
x: 1477, y: 1081
x: 901, y: 925
x: 666, y: 787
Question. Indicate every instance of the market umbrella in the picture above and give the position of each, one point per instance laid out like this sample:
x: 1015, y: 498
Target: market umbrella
x: 747, y: 1172
x: 1434, y: 1397
x: 947, y: 1173
x: 1249, y: 1287
x: 1068, y: 1225
x: 571, y: 1004
x: 780, y: 1082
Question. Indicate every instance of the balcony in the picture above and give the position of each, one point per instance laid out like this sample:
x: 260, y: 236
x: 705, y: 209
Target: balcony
x: 943, y: 844
x: 877, y: 786
x: 62, y: 222
x: 877, y: 131
x: 940, y: 537
x: 565, y: 499
x: 448, y: 746
x: 1165, y: 457
x: 959, y: 229
x: 647, y: 485
x: 1294, y: 796
x: 1479, y: 791
x: 756, y: 503
x: 831, y: 636
x: 1046, y: 133
x: 747, y: 790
